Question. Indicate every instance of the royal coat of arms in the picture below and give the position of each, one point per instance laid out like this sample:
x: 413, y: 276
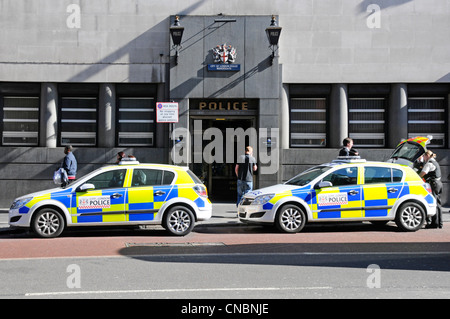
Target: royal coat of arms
x: 224, y: 54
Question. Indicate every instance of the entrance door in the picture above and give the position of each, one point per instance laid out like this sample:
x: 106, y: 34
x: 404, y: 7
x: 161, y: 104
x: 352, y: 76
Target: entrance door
x: 218, y: 175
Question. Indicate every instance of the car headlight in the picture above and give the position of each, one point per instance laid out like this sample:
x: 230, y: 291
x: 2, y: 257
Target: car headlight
x: 19, y: 203
x: 262, y: 199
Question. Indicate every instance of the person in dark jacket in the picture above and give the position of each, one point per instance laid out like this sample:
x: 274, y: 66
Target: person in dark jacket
x: 69, y: 164
x: 244, y: 171
x: 348, y: 149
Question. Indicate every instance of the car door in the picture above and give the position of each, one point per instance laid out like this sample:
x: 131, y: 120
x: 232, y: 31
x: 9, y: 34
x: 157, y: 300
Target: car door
x: 105, y: 202
x: 382, y: 187
x: 342, y: 199
x: 147, y: 194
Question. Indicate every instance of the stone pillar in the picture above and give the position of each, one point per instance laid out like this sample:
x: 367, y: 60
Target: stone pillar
x: 107, y: 116
x: 284, y: 129
x: 49, y: 115
x: 338, y: 115
x: 398, y: 115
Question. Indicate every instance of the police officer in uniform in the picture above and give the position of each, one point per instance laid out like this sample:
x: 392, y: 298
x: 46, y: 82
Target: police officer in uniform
x: 431, y: 173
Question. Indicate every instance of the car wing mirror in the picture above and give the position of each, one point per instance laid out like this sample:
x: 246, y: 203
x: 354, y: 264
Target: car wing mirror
x: 86, y: 187
x: 323, y: 184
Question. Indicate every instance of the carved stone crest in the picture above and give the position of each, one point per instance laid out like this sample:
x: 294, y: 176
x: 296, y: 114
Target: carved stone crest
x: 224, y: 54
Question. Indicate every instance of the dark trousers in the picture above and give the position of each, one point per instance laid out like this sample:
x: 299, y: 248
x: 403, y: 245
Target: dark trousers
x: 436, y: 187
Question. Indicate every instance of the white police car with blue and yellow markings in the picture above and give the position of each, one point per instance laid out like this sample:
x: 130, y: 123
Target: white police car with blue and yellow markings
x: 344, y: 190
x: 126, y: 194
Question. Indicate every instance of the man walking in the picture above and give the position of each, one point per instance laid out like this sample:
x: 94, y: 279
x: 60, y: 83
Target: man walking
x: 69, y: 164
x: 244, y: 170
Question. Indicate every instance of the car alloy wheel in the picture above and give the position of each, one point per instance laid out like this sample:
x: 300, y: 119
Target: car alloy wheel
x: 179, y: 221
x: 290, y: 219
x: 48, y: 223
x: 410, y: 217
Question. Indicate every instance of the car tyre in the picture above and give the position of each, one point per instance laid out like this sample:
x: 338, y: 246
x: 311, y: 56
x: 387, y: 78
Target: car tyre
x: 290, y: 219
x: 410, y: 217
x: 48, y: 223
x: 179, y: 221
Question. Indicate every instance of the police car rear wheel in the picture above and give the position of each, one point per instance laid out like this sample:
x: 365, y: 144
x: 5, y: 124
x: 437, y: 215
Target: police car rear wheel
x: 48, y: 223
x: 290, y: 219
x: 179, y: 221
x: 410, y: 217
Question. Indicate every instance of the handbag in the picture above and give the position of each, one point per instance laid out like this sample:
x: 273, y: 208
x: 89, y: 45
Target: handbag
x: 60, y: 176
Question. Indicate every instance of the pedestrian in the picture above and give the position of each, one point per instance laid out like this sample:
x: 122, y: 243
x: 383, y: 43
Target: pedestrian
x: 69, y: 164
x: 120, y: 156
x: 431, y: 173
x: 244, y: 171
x: 348, y: 149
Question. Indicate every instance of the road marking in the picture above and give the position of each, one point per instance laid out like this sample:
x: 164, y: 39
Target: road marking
x: 78, y: 292
x: 188, y: 244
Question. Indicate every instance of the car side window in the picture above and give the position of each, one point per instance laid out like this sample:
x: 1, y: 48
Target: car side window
x: 397, y: 175
x: 110, y: 179
x: 373, y: 175
x: 168, y: 177
x: 343, y: 176
x: 147, y: 177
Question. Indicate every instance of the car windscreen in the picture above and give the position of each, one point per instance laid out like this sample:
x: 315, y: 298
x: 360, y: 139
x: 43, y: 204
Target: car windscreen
x: 308, y: 175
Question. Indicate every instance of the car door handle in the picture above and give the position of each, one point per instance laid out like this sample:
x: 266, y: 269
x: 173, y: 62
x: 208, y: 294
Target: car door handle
x: 159, y: 193
x: 392, y: 190
x: 116, y: 195
x: 353, y: 192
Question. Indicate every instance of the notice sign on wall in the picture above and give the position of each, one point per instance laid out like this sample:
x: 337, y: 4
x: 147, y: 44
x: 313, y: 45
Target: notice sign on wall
x: 166, y: 112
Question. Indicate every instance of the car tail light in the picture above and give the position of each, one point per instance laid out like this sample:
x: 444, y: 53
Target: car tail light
x: 428, y: 188
x: 201, y: 190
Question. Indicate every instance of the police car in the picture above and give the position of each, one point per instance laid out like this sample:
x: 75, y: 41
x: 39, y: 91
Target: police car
x: 343, y: 190
x: 126, y: 194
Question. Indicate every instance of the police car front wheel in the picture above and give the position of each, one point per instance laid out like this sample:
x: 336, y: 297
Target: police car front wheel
x: 48, y: 223
x: 179, y: 221
x: 290, y: 219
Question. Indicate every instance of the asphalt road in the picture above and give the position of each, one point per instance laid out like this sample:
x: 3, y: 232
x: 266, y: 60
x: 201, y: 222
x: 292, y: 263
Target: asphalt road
x: 224, y: 260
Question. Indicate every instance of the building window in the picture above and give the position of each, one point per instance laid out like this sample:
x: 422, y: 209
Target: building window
x: 366, y: 121
x: 20, y: 120
x: 78, y: 124
x: 308, y: 122
x: 136, y: 121
x: 427, y: 116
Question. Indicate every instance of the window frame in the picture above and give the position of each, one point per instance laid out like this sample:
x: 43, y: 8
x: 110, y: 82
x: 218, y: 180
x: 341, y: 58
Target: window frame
x: 323, y: 136
x: 19, y: 134
x: 86, y: 135
x: 375, y: 136
x: 445, y: 121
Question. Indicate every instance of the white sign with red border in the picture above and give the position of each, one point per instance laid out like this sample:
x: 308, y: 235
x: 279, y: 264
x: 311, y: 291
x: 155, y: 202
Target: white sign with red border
x: 166, y: 112
x: 332, y: 199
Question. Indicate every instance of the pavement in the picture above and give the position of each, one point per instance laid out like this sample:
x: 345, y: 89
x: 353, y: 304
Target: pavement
x: 224, y: 214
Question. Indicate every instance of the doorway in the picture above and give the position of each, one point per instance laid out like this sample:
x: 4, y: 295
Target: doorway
x: 219, y: 175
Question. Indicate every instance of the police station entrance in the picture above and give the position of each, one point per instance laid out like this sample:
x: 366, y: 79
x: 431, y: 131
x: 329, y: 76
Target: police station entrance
x: 223, y: 133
